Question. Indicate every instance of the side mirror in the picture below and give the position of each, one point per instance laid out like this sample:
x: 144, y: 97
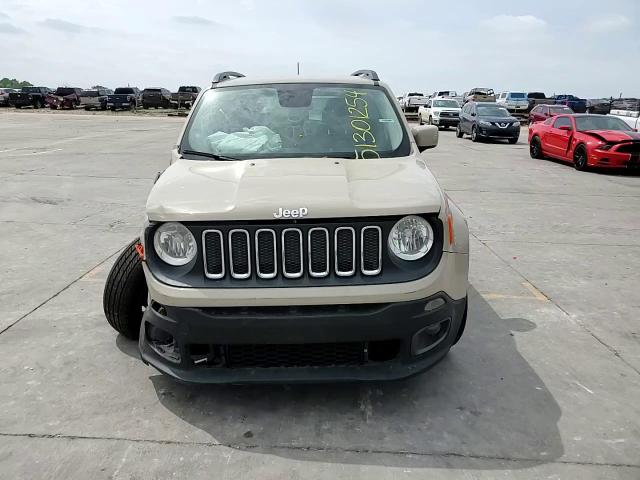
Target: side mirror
x: 426, y: 136
x: 565, y: 128
x: 473, y: 114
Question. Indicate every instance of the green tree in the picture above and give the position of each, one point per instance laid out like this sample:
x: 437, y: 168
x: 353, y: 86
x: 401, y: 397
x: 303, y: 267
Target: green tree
x: 13, y: 83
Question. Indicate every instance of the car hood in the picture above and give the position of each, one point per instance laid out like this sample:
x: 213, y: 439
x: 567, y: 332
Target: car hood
x: 613, y: 135
x: 192, y: 190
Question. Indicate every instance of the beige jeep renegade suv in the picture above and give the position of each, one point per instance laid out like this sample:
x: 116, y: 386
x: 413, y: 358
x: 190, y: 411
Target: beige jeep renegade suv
x: 297, y: 235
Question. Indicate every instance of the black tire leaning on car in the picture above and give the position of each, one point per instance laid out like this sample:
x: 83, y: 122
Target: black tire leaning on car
x: 580, y: 158
x: 125, y: 293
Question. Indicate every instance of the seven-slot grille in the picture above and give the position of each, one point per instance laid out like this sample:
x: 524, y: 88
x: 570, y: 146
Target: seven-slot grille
x: 292, y: 252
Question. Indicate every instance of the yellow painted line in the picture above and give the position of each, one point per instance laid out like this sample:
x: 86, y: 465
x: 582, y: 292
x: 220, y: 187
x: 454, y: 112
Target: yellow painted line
x: 494, y: 296
x: 536, y: 293
x: 91, y: 275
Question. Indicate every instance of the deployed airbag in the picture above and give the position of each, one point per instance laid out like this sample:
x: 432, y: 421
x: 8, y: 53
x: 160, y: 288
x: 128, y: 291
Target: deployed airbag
x: 258, y: 139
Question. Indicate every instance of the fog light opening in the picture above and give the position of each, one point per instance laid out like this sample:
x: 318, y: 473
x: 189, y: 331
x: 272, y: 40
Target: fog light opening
x: 163, y: 343
x: 429, y: 337
x: 434, y: 304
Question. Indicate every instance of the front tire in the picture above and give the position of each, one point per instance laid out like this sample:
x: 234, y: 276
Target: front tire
x: 125, y: 293
x: 430, y: 120
x: 580, y: 158
x: 474, y: 134
x: 513, y: 141
x: 535, y: 148
x: 459, y: 132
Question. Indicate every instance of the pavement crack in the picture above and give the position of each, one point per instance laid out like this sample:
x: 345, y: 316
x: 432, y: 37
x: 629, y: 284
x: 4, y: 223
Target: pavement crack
x: 63, y: 289
x: 320, y: 449
x: 574, y: 318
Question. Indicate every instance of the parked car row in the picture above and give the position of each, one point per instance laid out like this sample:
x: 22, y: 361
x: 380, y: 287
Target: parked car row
x: 98, y: 98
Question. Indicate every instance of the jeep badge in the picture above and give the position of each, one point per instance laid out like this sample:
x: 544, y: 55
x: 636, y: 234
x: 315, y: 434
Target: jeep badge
x: 295, y: 213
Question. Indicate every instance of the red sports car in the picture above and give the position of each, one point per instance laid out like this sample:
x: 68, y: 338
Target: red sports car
x: 586, y: 141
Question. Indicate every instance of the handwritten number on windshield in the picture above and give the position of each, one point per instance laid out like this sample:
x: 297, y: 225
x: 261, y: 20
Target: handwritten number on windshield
x: 364, y: 141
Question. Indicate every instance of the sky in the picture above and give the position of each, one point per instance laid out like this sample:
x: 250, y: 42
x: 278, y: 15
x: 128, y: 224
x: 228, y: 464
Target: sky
x: 587, y: 48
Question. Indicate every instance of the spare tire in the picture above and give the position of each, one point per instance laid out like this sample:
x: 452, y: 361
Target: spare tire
x: 125, y: 293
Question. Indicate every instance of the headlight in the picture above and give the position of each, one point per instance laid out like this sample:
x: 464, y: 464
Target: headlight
x: 174, y: 244
x: 411, y: 238
x: 516, y: 124
x: 484, y: 123
x: 436, y: 113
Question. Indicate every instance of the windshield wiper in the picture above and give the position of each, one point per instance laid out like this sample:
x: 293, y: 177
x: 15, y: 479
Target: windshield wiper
x: 208, y: 155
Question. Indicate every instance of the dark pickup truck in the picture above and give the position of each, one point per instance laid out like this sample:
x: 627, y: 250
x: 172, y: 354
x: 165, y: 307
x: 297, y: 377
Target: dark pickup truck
x: 126, y: 98
x: 64, y: 97
x: 156, y: 98
x: 578, y: 105
x: 537, y: 98
x: 29, y: 97
x: 185, y: 97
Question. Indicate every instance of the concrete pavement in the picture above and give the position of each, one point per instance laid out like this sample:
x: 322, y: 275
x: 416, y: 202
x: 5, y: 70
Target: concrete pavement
x: 545, y: 382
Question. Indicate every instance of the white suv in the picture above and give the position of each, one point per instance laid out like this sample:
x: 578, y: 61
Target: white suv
x: 442, y: 112
x: 297, y: 235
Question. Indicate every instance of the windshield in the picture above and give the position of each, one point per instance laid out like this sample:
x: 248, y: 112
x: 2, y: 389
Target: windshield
x: 90, y: 93
x: 122, y: 91
x: 492, y: 111
x: 594, y: 122
x: 446, y: 103
x: 559, y: 110
x: 483, y: 91
x: 517, y: 96
x: 415, y: 94
x: 65, y: 91
x: 152, y: 90
x: 30, y: 89
x: 296, y: 120
x: 188, y: 89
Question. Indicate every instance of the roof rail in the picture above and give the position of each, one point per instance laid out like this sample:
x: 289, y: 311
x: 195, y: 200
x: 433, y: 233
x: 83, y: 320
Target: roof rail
x: 222, y: 76
x: 370, y: 74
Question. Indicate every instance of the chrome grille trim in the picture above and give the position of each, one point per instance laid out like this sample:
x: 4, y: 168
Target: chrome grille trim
x: 339, y: 272
x: 239, y: 276
x: 326, y: 233
x: 213, y: 276
x: 379, y: 269
x: 267, y: 276
x: 297, y: 274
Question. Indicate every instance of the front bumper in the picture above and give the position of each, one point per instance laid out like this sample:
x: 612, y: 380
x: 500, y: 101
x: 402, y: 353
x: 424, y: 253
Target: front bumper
x: 393, y: 346
x: 446, y: 121
x: 497, y: 132
x: 613, y: 159
x: 119, y: 104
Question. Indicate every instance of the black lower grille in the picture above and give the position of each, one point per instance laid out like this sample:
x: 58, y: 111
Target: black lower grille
x: 297, y: 355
